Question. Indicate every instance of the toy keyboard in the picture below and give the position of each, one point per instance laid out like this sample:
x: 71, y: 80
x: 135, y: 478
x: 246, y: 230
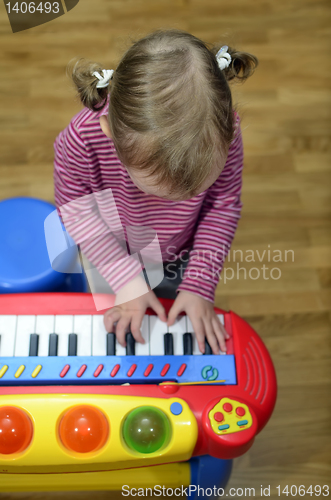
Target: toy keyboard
x: 79, y: 401
x: 76, y: 349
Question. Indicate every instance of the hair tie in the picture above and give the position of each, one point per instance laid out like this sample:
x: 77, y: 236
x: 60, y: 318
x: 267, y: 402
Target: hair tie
x: 105, y: 79
x: 223, y: 57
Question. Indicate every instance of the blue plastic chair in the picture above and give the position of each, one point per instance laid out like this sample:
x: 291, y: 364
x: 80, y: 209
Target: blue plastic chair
x: 24, y: 261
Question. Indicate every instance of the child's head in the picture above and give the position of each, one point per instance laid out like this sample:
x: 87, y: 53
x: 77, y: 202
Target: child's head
x: 170, y: 110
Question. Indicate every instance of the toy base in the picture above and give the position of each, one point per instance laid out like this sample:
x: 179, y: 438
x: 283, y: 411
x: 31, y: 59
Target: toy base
x: 200, y: 472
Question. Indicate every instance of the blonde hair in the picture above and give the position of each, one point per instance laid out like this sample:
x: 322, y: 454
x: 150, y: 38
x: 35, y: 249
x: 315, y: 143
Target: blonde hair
x: 170, y: 108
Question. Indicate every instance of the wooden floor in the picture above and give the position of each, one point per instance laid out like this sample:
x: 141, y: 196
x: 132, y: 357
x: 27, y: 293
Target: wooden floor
x: 285, y: 226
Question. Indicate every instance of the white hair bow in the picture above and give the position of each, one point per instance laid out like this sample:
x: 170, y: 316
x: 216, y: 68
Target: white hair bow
x: 105, y: 79
x: 223, y: 57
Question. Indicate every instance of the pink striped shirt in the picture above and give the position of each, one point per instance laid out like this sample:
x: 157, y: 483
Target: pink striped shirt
x: 86, y: 162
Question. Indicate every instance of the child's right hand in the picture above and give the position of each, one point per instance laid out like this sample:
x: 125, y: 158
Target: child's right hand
x: 131, y: 312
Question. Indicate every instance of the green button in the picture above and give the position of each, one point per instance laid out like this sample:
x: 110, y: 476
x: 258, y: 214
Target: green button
x: 146, y: 429
x: 208, y: 368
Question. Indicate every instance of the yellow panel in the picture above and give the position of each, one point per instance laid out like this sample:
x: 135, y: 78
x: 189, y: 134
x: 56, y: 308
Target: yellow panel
x: 168, y: 475
x: 231, y: 419
x: 46, y: 453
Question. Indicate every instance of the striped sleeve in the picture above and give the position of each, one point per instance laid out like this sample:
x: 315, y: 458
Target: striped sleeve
x: 216, y: 227
x: 82, y: 218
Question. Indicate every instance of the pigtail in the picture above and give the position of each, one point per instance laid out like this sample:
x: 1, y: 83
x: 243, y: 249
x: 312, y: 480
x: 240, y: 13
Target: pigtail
x: 81, y: 72
x: 242, y: 64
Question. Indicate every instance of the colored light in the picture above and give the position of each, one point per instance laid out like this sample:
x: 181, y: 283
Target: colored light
x: 83, y: 429
x: 146, y: 429
x: 16, y: 430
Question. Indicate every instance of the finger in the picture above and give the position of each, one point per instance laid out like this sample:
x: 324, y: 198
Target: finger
x: 135, y: 328
x: 211, y: 337
x: 220, y: 333
x: 225, y: 333
x: 175, y: 309
x: 156, y: 305
x: 110, y: 318
x: 199, y: 332
x: 121, y: 329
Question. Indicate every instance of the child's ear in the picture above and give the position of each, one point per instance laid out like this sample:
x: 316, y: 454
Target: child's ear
x: 105, y: 126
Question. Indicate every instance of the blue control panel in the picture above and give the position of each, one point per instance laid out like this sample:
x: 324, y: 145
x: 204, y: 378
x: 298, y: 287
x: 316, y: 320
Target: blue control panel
x: 38, y: 370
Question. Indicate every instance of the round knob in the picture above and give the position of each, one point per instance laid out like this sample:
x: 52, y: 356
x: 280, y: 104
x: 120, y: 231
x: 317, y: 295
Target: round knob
x: 219, y: 416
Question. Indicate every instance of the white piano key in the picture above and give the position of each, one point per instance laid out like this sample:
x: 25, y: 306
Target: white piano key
x: 44, y: 327
x: 157, y: 329
x: 143, y: 349
x: 196, y: 350
x: 120, y: 350
x: 99, y: 336
x: 25, y: 326
x: 63, y: 326
x: 83, y: 328
x: 178, y: 329
x: 221, y: 318
x: 7, y: 335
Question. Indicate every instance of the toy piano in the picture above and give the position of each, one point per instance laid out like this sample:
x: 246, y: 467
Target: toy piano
x: 77, y: 409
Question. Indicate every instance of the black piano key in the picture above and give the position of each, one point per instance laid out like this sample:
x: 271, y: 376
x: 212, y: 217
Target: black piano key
x: 187, y: 344
x: 34, y: 343
x: 72, y: 344
x: 52, y: 345
x: 111, y: 344
x: 130, y: 344
x: 168, y: 344
x: 207, y: 348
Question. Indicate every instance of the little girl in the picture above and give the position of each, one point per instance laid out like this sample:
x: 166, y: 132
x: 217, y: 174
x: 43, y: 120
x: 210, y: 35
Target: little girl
x: 160, y: 132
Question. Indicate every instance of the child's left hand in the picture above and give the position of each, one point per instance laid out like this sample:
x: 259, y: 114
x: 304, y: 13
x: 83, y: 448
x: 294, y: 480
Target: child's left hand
x: 203, y: 318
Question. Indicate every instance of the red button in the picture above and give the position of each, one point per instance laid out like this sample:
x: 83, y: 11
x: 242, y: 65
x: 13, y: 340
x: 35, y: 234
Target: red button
x: 165, y: 370
x: 98, y: 371
x: 64, y: 371
x: 218, y: 416
x: 81, y: 370
x: 181, y: 370
x: 240, y: 411
x: 114, y: 370
x: 148, y: 370
x: 227, y: 407
x: 131, y: 370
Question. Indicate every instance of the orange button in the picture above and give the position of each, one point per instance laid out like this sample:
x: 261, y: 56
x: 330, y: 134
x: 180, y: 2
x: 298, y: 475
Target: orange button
x: 240, y: 411
x: 83, y: 429
x: 227, y: 407
x: 219, y: 416
x: 15, y: 430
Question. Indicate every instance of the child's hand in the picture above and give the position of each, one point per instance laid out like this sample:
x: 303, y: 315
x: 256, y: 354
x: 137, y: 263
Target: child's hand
x: 203, y: 318
x: 131, y: 312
